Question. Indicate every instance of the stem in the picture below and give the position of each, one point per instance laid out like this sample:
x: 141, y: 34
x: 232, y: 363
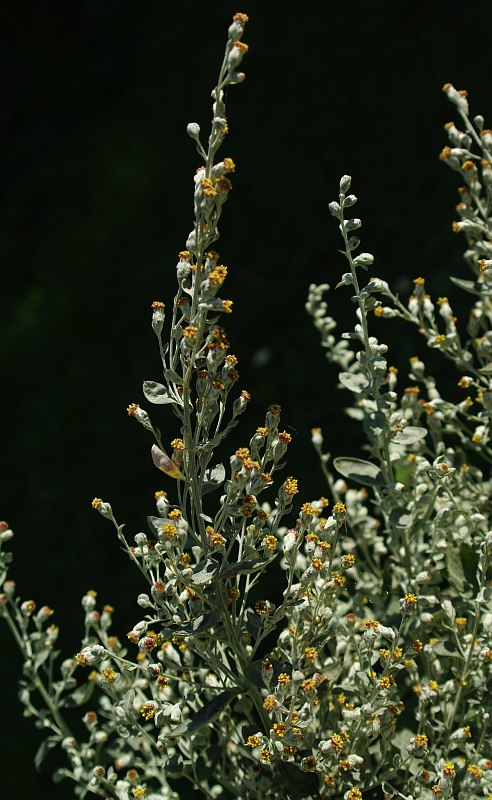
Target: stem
x: 24, y: 646
x: 386, y: 465
x: 464, y: 675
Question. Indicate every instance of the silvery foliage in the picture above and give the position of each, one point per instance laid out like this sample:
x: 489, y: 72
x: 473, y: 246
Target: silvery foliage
x: 372, y: 673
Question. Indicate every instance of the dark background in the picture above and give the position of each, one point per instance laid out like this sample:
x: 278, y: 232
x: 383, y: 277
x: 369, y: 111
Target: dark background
x: 96, y: 200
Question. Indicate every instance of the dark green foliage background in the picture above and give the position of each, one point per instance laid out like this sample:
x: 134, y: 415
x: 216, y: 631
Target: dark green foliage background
x: 96, y: 200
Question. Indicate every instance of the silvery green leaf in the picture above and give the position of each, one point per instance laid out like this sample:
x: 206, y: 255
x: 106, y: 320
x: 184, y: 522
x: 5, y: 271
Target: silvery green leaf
x: 214, y: 478
x: 467, y: 286
x: 60, y: 775
x: 155, y: 524
x: 487, y: 369
x: 301, y: 784
x: 207, y: 714
x: 401, y: 518
x: 353, y: 381
x: 374, y: 423
x: 355, y: 413
x: 387, y: 576
x: 347, y: 279
x: 253, y: 672
x: 44, y: 749
x: 445, y: 649
x: 201, y: 623
x: 204, y: 768
x: 173, y: 376
x: 456, y: 574
x: 173, y: 767
x: 41, y: 657
x: 487, y: 623
x: 246, y: 567
x: 388, y: 633
x: 448, y: 609
x: 359, y: 471
x: 157, y: 393
x: 363, y: 677
x: 79, y: 696
x: 127, y: 703
x: 204, y: 571
x: 409, y: 435
x: 484, y: 594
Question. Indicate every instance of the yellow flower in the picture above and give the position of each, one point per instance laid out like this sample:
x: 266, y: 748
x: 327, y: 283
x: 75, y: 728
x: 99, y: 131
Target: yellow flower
x: 290, y: 486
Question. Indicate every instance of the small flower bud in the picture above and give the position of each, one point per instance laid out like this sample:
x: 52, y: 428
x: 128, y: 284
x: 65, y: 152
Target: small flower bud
x: 345, y: 183
x: 290, y: 540
x: 44, y: 613
x: 236, y: 54
x: 103, y: 508
x: 93, y: 654
x: 68, y: 666
x: 236, y: 28
x: 193, y: 130
x: 144, y: 601
x: 90, y: 719
x: 89, y: 601
x: 158, y: 316
x: 9, y: 588
x: 28, y: 607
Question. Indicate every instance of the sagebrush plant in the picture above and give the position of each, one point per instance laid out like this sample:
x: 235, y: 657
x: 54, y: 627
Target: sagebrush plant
x: 372, y: 677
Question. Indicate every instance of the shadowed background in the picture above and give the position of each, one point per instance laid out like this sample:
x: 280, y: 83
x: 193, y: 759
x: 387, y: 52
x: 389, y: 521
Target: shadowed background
x: 96, y: 201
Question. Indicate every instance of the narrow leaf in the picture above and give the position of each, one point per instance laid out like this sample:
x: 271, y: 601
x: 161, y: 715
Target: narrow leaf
x: 409, y: 435
x: 353, y: 381
x: 467, y: 286
x: 174, y: 766
x: 44, y: 749
x: 360, y: 471
x: 204, y: 571
x: 80, y: 695
x: 401, y: 518
x: 201, y: 623
x: 446, y: 649
x: 374, y: 424
x: 456, y: 574
x: 214, y: 478
x: 245, y: 567
x: 206, y: 715
x: 173, y: 376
